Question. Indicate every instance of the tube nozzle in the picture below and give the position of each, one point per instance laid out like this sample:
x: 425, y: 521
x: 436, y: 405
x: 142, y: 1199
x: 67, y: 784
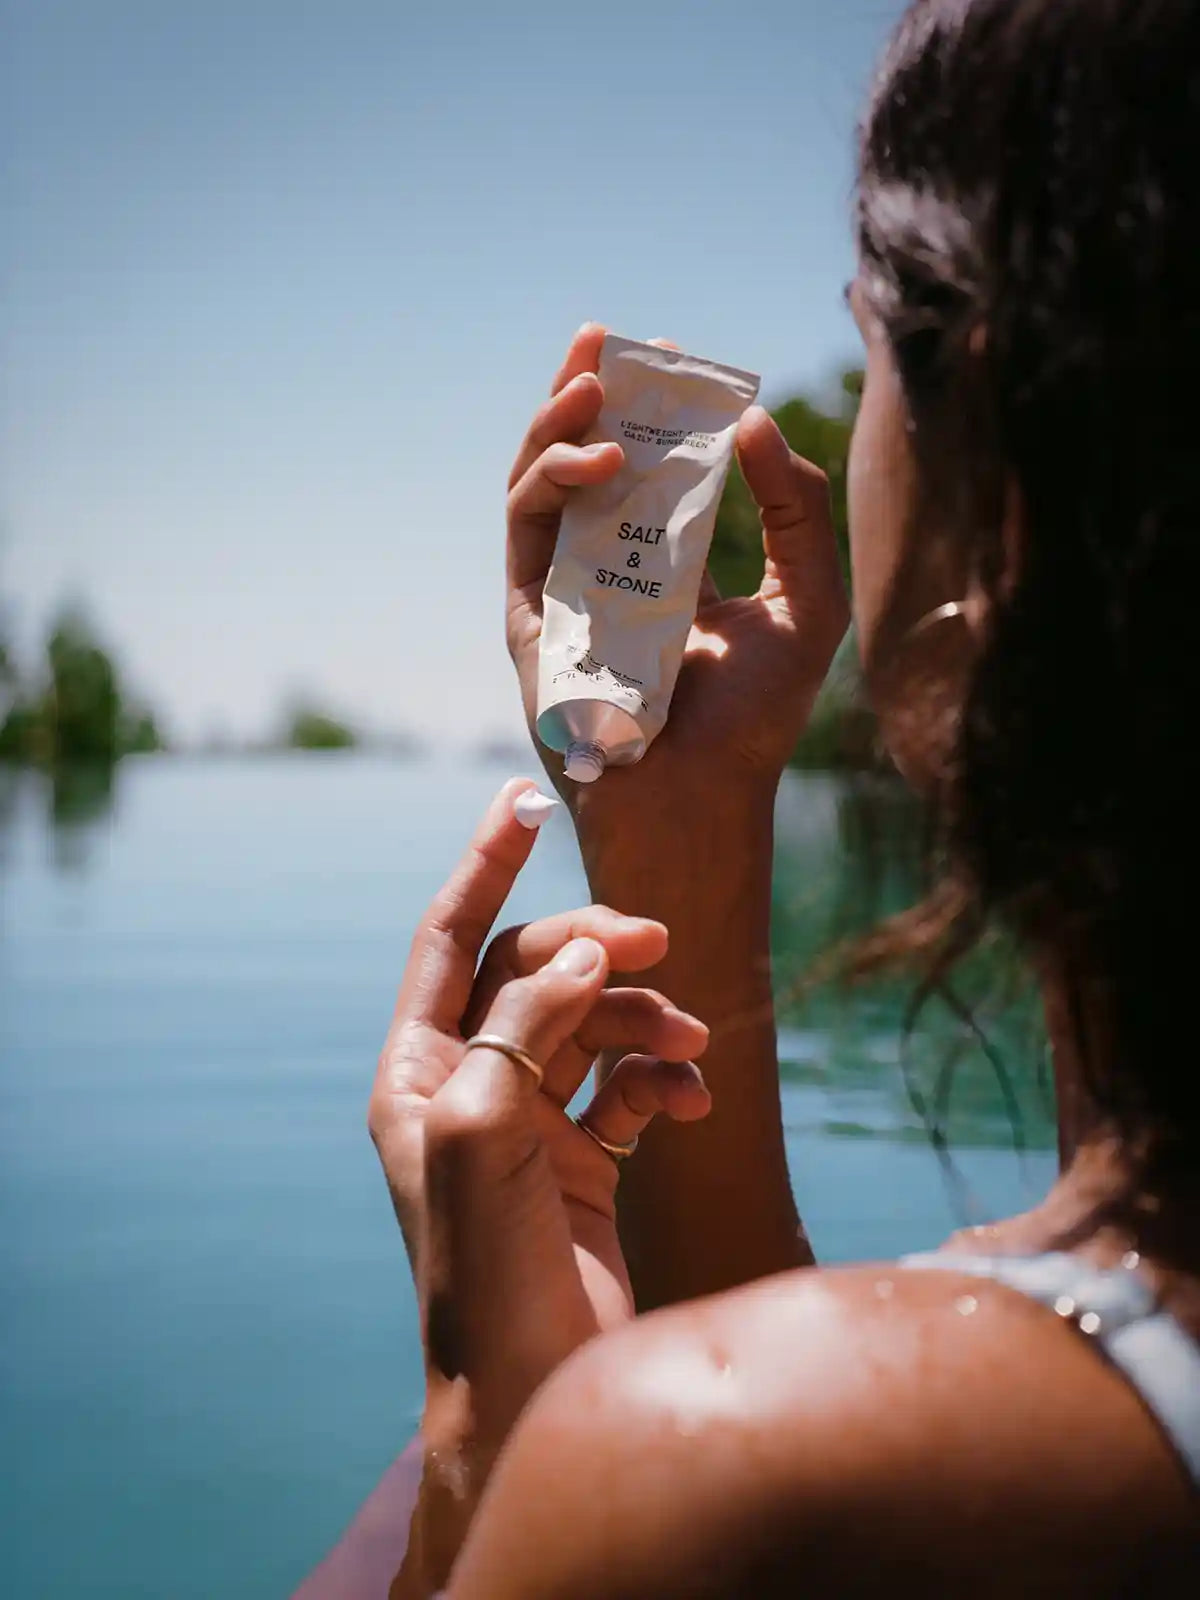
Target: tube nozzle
x: 585, y: 762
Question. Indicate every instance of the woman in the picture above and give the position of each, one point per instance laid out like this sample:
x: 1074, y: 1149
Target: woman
x: 1020, y: 1413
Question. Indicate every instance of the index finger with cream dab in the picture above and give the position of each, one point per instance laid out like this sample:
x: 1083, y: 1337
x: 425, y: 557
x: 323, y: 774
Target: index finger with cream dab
x: 451, y: 935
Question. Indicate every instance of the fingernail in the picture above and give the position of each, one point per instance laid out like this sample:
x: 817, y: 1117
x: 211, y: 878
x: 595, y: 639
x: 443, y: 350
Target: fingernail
x: 532, y: 807
x: 687, y: 1016
x: 578, y: 958
x: 684, y: 1072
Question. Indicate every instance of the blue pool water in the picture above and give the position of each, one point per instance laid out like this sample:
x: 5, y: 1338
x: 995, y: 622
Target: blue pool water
x: 208, y: 1341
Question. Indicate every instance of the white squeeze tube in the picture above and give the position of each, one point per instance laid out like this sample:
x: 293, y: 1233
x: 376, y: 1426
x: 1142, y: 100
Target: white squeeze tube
x: 622, y: 590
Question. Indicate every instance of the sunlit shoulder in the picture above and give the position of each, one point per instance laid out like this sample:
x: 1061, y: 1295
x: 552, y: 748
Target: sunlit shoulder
x: 849, y: 1429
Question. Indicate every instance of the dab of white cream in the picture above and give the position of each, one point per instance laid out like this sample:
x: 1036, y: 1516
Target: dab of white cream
x: 532, y: 807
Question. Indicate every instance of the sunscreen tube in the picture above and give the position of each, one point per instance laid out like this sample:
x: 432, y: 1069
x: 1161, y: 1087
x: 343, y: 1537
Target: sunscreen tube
x: 621, y: 593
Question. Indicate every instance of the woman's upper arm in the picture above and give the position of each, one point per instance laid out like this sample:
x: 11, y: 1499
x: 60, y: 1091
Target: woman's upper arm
x: 724, y: 1447
x: 810, y: 1428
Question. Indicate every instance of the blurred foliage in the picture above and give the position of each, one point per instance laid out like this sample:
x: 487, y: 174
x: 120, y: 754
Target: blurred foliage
x: 842, y: 733
x: 75, y: 712
x: 141, y: 737
x: 80, y: 715
x: 309, y: 729
x: 822, y: 437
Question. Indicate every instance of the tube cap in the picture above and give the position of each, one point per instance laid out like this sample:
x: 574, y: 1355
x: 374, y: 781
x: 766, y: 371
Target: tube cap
x: 585, y: 761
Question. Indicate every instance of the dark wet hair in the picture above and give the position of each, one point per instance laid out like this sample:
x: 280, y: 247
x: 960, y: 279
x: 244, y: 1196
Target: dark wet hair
x: 1029, y: 231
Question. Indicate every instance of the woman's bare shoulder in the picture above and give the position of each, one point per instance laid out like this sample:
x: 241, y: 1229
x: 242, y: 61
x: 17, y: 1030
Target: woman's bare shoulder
x: 853, y: 1424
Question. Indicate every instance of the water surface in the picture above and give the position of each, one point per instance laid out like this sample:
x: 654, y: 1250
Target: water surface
x: 208, y: 1343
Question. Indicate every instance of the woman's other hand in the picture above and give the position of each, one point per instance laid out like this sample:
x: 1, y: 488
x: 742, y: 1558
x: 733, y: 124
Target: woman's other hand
x: 753, y: 665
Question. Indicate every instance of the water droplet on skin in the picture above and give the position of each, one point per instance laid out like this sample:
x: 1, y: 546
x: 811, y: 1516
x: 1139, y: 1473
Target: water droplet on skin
x: 966, y: 1305
x: 884, y: 1289
x: 1089, y: 1323
x: 448, y: 1469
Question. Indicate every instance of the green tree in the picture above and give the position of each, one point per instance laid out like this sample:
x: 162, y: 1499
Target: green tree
x: 310, y: 729
x: 17, y: 732
x: 13, y: 730
x: 10, y: 700
x: 81, y: 710
x: 8, y: 670
x: 78, y: 714
x: 140, y: 735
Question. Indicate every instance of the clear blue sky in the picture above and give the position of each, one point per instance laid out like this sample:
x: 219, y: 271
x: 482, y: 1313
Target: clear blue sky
x: 283, y: 279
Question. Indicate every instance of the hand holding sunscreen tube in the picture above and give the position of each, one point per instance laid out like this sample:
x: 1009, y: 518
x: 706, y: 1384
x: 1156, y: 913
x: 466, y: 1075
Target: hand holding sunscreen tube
x: 621, y: 593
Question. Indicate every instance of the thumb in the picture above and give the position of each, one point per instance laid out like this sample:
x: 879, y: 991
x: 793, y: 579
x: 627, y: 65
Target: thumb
x: 802, y: 572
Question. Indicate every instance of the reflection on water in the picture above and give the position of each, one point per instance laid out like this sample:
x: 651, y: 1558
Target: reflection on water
x: 77, y: 801
x: 80, y: 801
x: 972, y: 1071
x: 9, y: 790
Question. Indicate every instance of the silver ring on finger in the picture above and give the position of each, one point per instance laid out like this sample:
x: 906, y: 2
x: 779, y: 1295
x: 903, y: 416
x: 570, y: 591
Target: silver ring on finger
x: 617, y: 1152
